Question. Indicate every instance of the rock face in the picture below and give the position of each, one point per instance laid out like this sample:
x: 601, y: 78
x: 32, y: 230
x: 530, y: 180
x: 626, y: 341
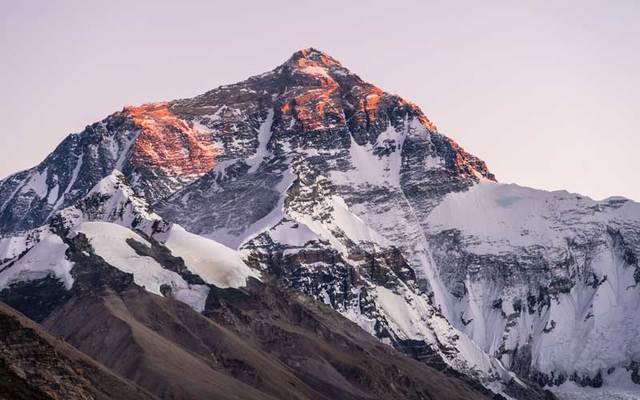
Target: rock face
x: 158, y: 151
x: 147, y: 300
x: 168, y: 147
x: 539, y: 279
x: 328, y: 185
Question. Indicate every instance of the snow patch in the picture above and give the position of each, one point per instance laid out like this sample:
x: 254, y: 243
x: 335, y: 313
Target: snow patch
x: 46, y: 258
x: 37, y: 183
x: 342, y: 221
x: 500, y: 217
x: 74, y: 177
x: 109, y: 241
x: 264, y: 135
x: 369, y: 168
x: 315, y: 71
x: 292, y: 233
x: 53, y: 194
x: 214, y: 262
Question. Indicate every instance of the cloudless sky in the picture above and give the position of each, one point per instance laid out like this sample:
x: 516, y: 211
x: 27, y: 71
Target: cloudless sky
x: 546, y: 92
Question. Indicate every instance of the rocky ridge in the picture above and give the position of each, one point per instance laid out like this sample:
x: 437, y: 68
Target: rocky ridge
x: 134, y: 295
x: 333, y: 187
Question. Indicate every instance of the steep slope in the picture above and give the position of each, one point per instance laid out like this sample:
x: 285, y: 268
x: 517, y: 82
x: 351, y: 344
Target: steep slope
x: 541, y: 278
x: 257, y: 343
x: 333, y: 178
x: 156, y: 150
x: 199, y: 326
x: 332, y: 199
x: 112, y: 227
x: 333, y: 187
x: 35, y: 365
x: 292, y: 126
x: 163, y: 146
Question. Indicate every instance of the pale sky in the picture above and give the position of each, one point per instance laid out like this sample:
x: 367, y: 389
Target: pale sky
x: 546, y: 92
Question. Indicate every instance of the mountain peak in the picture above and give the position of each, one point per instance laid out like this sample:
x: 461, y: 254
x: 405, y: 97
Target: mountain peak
x: 312, y: 57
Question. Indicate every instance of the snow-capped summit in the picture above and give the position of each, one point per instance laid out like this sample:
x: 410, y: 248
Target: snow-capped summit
x: 161, y: 147
x: 312, y: 57
x: 331, y: 186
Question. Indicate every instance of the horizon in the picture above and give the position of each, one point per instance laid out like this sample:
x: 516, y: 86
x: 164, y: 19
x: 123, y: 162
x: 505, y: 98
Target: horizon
x: 539, y: 122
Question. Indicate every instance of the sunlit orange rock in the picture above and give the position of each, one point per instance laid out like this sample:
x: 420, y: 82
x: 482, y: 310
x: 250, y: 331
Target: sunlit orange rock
x: 302, y: 58
x: 286, y: 107
x: 316, y: 99
x: 319, y: 106
x: 371, y: 107
x: 168, y: 143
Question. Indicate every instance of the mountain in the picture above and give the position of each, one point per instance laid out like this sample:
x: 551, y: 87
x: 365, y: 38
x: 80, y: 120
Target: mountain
x: 309, y: 180
x: 183, y: 317
x: 36, y: 366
